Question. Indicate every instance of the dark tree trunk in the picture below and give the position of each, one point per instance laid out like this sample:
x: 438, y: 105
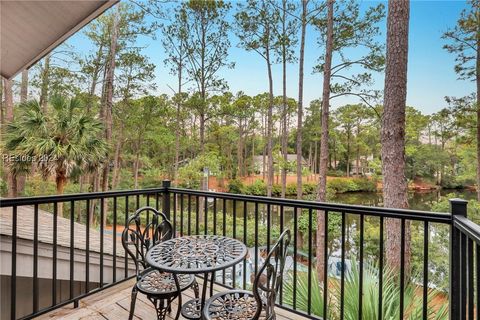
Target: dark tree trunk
x: 108, y: 103
x: 478, y: 108
x: 393, y: 129
x: 322, y: 185
x: 300, y: 100
x: 269, y: 127
x: 284, y: 102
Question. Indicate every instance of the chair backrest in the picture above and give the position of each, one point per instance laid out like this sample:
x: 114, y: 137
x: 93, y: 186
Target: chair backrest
x: 270, y: 276
x: 138, y: 239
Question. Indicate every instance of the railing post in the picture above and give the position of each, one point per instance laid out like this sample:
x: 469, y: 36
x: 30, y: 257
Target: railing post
x: 166, y: 198
x: 458, y: 207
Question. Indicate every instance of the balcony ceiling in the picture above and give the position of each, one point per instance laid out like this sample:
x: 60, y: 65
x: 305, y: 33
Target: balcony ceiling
x: 31, y: 29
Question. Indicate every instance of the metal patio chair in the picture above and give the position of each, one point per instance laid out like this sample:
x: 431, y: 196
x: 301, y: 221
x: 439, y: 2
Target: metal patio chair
x: 242, y: 304
x: 161, y: 288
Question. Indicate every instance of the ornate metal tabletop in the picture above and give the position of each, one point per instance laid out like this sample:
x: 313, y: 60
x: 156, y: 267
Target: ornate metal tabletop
x: 196, y: 254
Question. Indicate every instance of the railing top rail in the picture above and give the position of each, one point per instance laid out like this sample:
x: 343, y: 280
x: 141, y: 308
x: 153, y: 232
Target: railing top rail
x: 25, y: 201
x: 439, y: 217
x: 467, y: 227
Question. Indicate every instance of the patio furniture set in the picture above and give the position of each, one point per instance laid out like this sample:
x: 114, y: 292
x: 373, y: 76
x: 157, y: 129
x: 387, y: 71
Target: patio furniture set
x: 167, y: 265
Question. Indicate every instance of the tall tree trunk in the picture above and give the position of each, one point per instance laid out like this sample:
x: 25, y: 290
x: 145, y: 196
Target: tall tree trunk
x: 240, y: 149
x: 61, y: 181
x: 108, y: 103
x: 269, y: 128
x: 116, y: 159
x: 45, y: 82
x: 322, y: 185
x: 136, y: 166
x: 478, y: 107
x: 284, y: 101
x: 301, y: 60
x: 177, y: 122
x: 24, y: 87
x: 393, y: 129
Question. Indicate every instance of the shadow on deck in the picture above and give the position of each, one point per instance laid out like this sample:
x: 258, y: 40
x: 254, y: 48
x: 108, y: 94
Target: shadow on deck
x: 114, y: 303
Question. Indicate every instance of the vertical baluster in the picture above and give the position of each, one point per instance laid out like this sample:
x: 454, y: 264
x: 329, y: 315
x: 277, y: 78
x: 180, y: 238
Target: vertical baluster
x: 245, y: 241
x: 295, y: 231
x: 380, y: 273
x: 234, y: 235
x: 87, y: 245
x: 402, y: 267
x: 35, y: 259
x: 102, y: 213
x: 360, y: 276
x: 325, y: 266
x: 13, y: 283
x: 197, y: 215
x: 125, y: 258
x: 470, y: 279
x: 181, y: 214
x: 138, y: 201
x: 72, y: 243
x: 174, y: 214
x: 463, y: 281
x: 282, y: 210
x: 256, y: 238
x: 425, y: 269
x: 269, y: 224
x: 189, y: 231
x: 205, y: 214
x: 214, y: 216
x: 114, y: 239
x: 310, y: 260
x: 477, y: 265
x: 342, y: 274
x: 148, y: 213
x: 54, y: 263
x: 224, y: 222
x: 157, y: 200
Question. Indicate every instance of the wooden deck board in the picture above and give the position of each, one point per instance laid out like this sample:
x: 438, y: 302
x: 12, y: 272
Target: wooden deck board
x: 114, y: 303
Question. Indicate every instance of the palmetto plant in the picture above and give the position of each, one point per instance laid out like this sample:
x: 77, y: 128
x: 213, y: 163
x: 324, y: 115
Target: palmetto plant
x: 413, y: 303
x: 57, y: 142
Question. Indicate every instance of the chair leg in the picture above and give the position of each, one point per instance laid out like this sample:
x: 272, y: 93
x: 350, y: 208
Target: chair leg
x: 132, y: 303
x: 196, y: 290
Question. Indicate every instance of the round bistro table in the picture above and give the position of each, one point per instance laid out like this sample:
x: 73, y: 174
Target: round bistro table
x: 199, y: 254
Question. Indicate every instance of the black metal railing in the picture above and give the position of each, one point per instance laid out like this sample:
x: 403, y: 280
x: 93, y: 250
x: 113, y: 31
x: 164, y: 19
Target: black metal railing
x: 352, y: 236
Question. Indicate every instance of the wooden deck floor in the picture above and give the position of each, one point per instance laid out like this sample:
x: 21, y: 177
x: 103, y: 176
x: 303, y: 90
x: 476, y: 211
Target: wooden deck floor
x: 114, y: 303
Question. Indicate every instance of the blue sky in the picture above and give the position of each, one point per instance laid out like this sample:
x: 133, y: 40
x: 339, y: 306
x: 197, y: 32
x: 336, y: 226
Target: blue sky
x: 430, y: 68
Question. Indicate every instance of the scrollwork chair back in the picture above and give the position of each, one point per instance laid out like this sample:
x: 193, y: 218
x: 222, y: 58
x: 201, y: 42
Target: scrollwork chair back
x: 137, y: 240
x: 270, y: 276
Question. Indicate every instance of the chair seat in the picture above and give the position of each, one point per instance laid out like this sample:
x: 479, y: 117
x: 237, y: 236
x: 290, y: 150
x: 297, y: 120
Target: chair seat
x: 232, y: 304
x: 154, y: 282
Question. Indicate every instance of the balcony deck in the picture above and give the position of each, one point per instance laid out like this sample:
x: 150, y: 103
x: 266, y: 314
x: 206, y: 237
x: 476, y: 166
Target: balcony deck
x: 114, y: 303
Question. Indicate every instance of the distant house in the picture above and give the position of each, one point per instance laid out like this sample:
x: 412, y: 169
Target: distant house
x: 364, y: 168
x: 291, y: 158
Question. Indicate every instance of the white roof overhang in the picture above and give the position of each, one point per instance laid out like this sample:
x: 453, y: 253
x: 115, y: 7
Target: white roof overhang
x: 32, y: 28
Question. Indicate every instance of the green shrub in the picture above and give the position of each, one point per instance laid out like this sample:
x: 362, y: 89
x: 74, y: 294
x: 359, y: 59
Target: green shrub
x: 236, y: 186
x: 335, y: 173
x: 367, y: 185
x: 342, y: 185
x: 258, y: 188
